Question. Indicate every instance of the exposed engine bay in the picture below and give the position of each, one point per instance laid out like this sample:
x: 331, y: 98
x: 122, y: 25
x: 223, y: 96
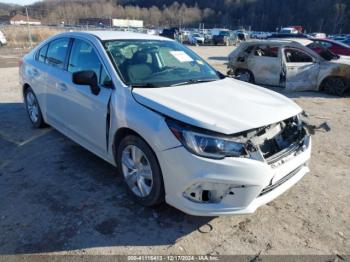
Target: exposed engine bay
x: 273, y: 144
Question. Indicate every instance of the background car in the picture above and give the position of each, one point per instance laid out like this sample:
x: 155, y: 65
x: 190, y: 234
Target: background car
x: 347, y: 41
x: 336, y: 47
x: 196, y: 39
x: 171, y: 33
x: 289, y: 30
x: 319, y: 35
x: 291, y: 65
x: 224, y: 37
x: 288, y: 36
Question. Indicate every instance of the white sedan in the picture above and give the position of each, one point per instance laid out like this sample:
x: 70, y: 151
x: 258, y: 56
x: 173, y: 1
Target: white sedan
x: 176, y: 129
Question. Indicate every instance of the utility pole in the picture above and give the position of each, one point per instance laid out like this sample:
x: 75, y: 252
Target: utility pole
x: 29, y: 33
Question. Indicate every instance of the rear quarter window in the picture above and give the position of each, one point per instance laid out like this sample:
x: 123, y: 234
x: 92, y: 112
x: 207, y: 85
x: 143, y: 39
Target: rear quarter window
x: 266, y: 51
x: 41, y: 55
x: 249, y: 49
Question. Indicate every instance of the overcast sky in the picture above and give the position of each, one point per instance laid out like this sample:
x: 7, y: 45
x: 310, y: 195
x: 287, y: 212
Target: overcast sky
x: 19, y: 2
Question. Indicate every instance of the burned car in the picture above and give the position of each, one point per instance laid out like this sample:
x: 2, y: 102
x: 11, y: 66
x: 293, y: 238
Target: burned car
x: 291, y: 65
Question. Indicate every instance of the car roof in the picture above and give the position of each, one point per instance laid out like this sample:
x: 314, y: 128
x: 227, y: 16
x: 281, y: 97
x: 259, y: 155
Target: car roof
x: 116, y: 35
x: 302, y: 41
x: 333, y: 42
x: 280, y: 42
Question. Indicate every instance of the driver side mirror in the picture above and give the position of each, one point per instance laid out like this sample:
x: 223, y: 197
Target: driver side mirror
x: 87, y: 78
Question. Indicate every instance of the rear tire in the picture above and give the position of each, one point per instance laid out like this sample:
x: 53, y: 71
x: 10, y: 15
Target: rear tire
x: 335, y: 86
x: 138, y: 165
x: 33, y: 108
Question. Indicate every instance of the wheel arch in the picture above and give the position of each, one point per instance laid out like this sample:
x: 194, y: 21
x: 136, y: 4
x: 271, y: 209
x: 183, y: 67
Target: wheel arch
x: 123, y: 132
x: 118, y: 137
x: 323, y: 81
x: 25, y: 86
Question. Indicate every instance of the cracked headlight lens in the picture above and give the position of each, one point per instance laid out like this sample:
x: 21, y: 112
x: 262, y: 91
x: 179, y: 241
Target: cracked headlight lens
x: 203, y: 143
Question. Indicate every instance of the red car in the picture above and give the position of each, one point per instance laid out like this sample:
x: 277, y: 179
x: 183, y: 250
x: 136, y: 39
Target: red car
x: 335, y: 47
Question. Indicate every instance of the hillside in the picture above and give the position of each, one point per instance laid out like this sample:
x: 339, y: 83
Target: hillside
x: 331, y: 16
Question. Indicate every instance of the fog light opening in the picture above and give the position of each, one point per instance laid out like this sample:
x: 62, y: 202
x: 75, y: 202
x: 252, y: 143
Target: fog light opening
x: 209, y: 192
x: 206, y: 196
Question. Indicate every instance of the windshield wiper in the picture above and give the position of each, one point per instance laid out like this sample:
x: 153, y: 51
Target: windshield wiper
x: 145, y: 85
x: 194, y: 81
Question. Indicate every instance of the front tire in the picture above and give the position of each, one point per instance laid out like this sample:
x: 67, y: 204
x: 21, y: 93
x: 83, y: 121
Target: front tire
x: 33, y: 108
x: 139, y: 167
x: 244, y: 75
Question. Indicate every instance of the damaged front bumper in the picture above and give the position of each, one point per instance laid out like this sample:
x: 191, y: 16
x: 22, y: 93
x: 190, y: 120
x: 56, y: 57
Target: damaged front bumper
x: 208, y: 187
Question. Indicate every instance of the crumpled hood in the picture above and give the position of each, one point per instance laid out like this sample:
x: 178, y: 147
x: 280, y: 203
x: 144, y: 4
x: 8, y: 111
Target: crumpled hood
x: 226, y: 106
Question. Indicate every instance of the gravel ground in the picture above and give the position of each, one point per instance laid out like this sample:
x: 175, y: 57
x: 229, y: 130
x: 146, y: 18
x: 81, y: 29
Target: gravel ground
x: 56, y: 197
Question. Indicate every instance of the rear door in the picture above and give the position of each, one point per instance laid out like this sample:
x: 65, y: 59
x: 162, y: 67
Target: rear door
x: 266, y: 65
x: 301, y: 70
x: 56, y: 60
x: 38, y: 74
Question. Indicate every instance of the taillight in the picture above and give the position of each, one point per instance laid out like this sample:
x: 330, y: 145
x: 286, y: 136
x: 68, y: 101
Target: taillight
x: 20, y: 63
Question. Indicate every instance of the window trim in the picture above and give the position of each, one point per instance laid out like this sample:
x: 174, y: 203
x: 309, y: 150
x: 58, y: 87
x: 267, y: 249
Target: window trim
x: 252, y: 53
x: 314, y: 60
x: 48, y: 46
x: 37, y: 54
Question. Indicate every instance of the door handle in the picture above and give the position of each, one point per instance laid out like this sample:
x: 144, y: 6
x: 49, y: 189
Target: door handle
x: 62, y: 87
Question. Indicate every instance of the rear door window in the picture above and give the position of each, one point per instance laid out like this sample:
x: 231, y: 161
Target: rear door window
x: 57, y: 52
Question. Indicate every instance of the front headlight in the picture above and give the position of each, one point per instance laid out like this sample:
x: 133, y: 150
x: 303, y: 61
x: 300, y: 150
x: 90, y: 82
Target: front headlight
x: 205, y: 144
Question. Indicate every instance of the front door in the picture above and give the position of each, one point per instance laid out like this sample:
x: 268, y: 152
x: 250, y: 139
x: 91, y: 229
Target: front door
x: 87, y: 113
x: 301, y: 70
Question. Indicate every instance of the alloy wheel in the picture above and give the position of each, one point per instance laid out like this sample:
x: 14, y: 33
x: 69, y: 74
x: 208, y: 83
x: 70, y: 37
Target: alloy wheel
x: 137, y: 171
x: 32, y: 107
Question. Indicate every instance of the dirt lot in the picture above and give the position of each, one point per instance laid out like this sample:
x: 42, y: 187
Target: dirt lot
x: 57, y: 197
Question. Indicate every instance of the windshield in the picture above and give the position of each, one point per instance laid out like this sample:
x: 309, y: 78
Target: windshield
x: 328, y: 55
x: 224, y: 33
x: 156, y: 63
x: 323, y: 52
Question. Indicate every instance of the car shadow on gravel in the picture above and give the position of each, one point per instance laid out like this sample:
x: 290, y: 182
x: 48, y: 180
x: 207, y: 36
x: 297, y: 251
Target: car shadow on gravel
x: 57, y: 196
